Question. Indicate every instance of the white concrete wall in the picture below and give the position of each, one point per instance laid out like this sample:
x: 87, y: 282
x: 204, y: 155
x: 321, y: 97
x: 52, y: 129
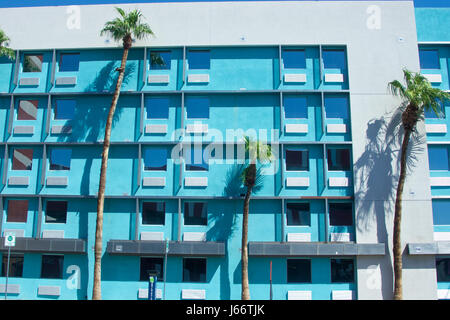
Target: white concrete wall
x: 378, y: 49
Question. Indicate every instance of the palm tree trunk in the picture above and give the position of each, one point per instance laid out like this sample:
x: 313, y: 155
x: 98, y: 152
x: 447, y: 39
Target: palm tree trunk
x: 97, y: 293
x: 397, y: 245
x: 244, y: 252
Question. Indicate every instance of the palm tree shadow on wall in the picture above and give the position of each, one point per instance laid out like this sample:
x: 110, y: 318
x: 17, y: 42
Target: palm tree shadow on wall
x: 376, y: 176
x: 88, y: 123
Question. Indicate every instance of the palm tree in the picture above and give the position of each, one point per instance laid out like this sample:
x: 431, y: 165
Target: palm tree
x: 418, y: 96
x: 258, y: 152
x: 123, y: 28
x: 4, y: 51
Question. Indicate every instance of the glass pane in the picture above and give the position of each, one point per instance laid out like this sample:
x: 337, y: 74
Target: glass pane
x: 160, y: 60
x: 22, y: 159
x: 15, y: 265
x: 438, y: 157
x: 157, y: 108
x: 27, y: 110
x: 295, y: 107
x: 429, y: 59
x: 298, y: 271
x: 60, y: 159
x: 17, y: 211
x: 69, y: 62
x: 155, y: 159
x: 298, y: 214
x: 195, y: 213
x: 342, y: 270
x: 152, y: 266
x: 52, y: 267
x: 294, y: 59
x: 56, y: 212
x: 336, y: 107
x: 197, y: 108
x: 443, y: 269
x: 32, y: 62
x: 338, y: 159
x: 153, y: 213
x: 441, y: 212
x: 195, y: 159
x: 341, y: 214
x: 199, y: 59
x: 65, y: 109
x: 194, y: 270
x: 334, y: 59
x: 297, y: 160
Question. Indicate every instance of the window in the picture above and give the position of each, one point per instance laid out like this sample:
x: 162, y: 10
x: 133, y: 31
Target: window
x: 195, y: 214
x: 336, y: 107
x: 65, y: 109
x: 153, y: 213
x: 194, y: 270
x: 60, y: 159
x: 22, y: 159
x: 438, y: 157
x: 297, y: 160
x: 196, y: 159
x: 341, y: 214
x: 151, y: 266
x: 160, y: 60
x: 333, y: 59
x: 342, y: 270
x: 17, y: 211
x: 69, y: 62
x: 155, y: 159
x: 56, y: 212
x: 338, y: 159
x: 298, y: 214
x: 298, y: 271
x: 199, y: 59
x: 32, y: 62
x: 52, y: 267
x: 294, y: 59
x: 27, y: 110
x: 443, y: 269
x: 429, y: 59
x: 295, y: 107
x: 197, y: 108
x: 157, y: 108
x: 15, y: 265
x: 441, y: 212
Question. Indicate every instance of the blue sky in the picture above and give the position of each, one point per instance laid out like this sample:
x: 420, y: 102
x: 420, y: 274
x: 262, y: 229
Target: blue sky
x: 31, y: 3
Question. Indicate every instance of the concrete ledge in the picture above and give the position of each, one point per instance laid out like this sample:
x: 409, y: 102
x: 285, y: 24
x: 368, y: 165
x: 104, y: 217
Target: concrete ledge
x: 436, y: 128
x: 152, y: 236
x: 432, y: 248
x: 296, y: 128
x: 198, y: 78
x: 440, y: 181
x: 143, y: 293
x: 441, y: 236
x: 194, y: 236
x: 157, y: 248
x: 156, y: 128
x: 29, y: 82
x: 295, y: 77
x: 336, y: 128
x: 299, y: 295
x: 57, y: 181
x: 158, y: 78
x: 196, y: 294
x: 342, y: 295
x: 334, y: 77
x: 197, y: 128
x: 20, y: 233
x: 441, y: 293
x: 23, y: 130
x: 154, y: 182
x: 49, y: 290
x: 297, y: 249
x: 340, y: 236
x: 53, y: 234
x: 338, y: 182
x: 196, y: 181
x: 297, y: 182
x: 61, y: 130
x: 433, y: 78
x: 12, y: 288
x: 66, y: 81
x: 72, y: 246
x: 299, y: 237
x: 18, y: 181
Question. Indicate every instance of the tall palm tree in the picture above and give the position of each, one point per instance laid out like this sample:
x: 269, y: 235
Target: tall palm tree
x: 123, y: 28
x: 4, y: 51
x: 258, y: 152
x: 418, y: 96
